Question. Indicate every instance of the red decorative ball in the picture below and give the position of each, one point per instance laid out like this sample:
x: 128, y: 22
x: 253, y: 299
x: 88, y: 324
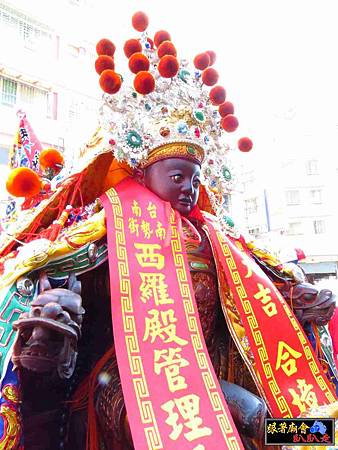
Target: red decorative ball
x: 144, y: 83
x: 245, y: 144
x: 217, y: 95
x: 166, y: 48
x: 140, y: 21
x: 168, y: 66
x: 138, y: 62
x: 51, y: 157
x: 161, y: 36
x: 105, y: 47
x: 212, y: 56
x: 226, y: 108
x: 132, y: 46
x: 210, y: 76
x: 104, y: 62
x: 229, y: 123
x: 110, y: 81
x: 23, y: 182
x: 201, y: 61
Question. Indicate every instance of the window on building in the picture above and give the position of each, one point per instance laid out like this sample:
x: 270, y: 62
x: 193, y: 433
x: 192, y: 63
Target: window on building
x: 254, y: 231
x: 251, y: 205
x: 20, y: 26
x: 4, y: 150
x: 81, y: 108
x: 312, y: 167
x: 16, y: 93
x: 316, y: 195
x: 319, y: 226
x: 292, y: 197
x: 295, y: 228
x: 8, y: 91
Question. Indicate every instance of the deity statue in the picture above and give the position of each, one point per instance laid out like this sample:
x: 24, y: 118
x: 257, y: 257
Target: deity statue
x: 135, y: 315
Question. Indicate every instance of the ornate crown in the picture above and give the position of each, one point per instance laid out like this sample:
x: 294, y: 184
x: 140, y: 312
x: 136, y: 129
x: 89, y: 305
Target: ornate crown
x: 170, y: 108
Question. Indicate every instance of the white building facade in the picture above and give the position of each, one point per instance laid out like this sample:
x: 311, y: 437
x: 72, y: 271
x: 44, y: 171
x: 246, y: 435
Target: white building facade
x: 49, y: 74
x: 297, y: 208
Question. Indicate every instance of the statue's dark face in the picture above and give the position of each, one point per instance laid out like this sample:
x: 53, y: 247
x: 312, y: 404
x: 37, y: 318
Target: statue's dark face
x: 175, y: 180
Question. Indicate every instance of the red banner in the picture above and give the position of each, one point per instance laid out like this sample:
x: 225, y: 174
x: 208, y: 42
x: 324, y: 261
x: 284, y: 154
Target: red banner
x: 172, y: 395
x: 290, y: 374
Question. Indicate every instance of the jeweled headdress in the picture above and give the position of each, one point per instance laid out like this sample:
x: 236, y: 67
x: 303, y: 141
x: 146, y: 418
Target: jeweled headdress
x: 169, y: 109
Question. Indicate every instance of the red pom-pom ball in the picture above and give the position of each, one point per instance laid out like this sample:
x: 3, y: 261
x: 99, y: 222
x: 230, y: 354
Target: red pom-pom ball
x: 51, y: 157
x: 104, y: 62
x: 168, y: 66
x: 23, y: 182
x: 110, y: 81
x: 229, y: 123
x: 132, y: 46
x: 140, y: 21
x: 144, y: 83
x: 201, y: 61
x: 226, y: 108
x: 212, y: 56
x: 245, y: 144
x: 138, y: 62
x: 161, y: 36
x: 166, y: 48
x: 210, y: 76
x: 217, y: 95
x: 105, y: 47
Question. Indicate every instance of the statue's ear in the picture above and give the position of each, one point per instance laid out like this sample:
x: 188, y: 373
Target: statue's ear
x: 44, y: 284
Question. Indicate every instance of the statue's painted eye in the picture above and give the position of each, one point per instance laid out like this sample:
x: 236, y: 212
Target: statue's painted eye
x: 177, y: 178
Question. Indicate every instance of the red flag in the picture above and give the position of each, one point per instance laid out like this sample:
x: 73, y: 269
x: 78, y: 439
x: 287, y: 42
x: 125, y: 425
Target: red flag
x: 26, y: 146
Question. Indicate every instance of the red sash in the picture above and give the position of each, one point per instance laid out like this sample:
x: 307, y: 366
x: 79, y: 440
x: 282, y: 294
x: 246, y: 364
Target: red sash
x: 172, y: 395
x: 291, y: 377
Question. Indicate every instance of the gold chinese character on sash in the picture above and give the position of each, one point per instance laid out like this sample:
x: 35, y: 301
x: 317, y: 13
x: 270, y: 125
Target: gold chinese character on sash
x: 286, y: 358
x: 151, y: 208
x: 133, y: 225
x: 153, y: 286
x: 264, y: 297
x: 160, y: 231
x: 305, y: 398
x: 170, y: 359
x: 136, y: 210
x: 148, y: 257
x: 162, y: 325
x: 188, y: 408
x: 146, y: 230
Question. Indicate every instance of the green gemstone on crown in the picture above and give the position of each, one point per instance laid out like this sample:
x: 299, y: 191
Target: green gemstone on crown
x: 226, y: 174
x: 229, y: 221
x: 199, y: 116
x: 183, y: 75
x: 133, y: 139
x: 191, y: 150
